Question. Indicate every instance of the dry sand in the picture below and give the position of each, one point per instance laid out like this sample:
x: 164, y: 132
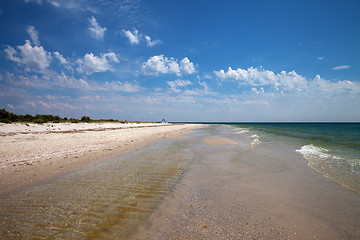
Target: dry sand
x: 31, y: 153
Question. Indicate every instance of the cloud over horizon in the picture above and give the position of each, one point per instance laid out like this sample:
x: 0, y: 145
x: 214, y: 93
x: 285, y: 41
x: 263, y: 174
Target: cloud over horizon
x: 285, y: 81
x: 140, y: 60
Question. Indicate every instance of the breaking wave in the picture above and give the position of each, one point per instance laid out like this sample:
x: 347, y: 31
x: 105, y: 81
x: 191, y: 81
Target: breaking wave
x: 343, y: 170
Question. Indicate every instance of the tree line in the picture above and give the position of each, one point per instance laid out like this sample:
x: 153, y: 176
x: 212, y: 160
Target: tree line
x: 9, y: 117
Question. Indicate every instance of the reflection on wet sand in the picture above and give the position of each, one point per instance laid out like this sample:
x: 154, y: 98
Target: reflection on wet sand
x: 107, y: 200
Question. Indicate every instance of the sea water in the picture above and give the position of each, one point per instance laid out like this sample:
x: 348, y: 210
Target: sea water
x: 332, y: 149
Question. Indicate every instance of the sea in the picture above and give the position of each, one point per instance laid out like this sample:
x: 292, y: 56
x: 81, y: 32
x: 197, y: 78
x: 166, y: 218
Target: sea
x: 332, y: 149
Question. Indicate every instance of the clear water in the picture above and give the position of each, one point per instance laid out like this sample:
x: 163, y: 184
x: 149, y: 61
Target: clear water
x: 333, y: 149
x: 104, y: 201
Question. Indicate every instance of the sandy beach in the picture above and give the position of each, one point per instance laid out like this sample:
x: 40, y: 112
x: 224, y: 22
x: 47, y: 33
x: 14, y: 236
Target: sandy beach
x: 213, y: 183
x: 31, y: 153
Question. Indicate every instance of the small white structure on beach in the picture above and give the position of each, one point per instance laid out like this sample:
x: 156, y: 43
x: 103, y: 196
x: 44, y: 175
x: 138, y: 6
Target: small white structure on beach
x: 163, y: 121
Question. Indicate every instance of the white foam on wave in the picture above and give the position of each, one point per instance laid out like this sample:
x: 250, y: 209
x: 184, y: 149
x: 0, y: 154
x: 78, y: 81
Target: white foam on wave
x: 343, y: 170
x: 310, y: 150
x: 256, y: 141
x: 242, y: 131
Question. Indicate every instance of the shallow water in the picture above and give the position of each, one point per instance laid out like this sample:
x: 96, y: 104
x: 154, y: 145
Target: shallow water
x: 107, y: 200
x: 263, y: 190
x: 332, y: 149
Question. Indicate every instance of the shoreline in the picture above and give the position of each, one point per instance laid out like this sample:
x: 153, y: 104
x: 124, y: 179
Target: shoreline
x: 33, y: 153
x: 246, y: 191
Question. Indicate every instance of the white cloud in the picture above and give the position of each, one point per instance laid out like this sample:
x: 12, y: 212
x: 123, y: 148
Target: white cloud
x: 178, y: 83
x: 290, y: 81
x: 260, y: 77
x: 256, y: 91
x: 122, y: 86
x: 37, y: 1
x: 67, y: 4
x: 186, y: 66
x: 320, y: 58
x: 287, y: 82
x: 199, y: 91
x: 35, y: 58
x: 341, y: 67
x: 60, y: 58
x: 91, y: 63
x: 34, y: 35
x: 253, y: 76
x: 204, y: 85
x: 150, y: 43
x: 134, y: 36
x: 96, y: 30
x: 321, y: 85
x: 160, y: 64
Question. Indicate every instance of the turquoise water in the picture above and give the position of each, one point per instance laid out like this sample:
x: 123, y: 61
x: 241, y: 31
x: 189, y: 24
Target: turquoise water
x: 333, y: 149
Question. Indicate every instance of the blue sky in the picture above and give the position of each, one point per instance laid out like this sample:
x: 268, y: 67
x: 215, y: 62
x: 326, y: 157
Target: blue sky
x: 182, y: 60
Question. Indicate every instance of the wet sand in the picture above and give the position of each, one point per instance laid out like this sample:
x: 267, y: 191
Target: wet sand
x: 244, y: 191
x: 188, y: 188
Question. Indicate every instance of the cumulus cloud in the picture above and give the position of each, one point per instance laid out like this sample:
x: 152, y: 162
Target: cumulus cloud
x: 151, y: 43
x: 261, y: 77
x: 186, y: 66
x: 91, y: 63
x: 285, y: 81
x: 134, y: 36
x: 253, y: 76
x: 34, y: 35
x: 338, y: 87
x: 34, y: 58
x: 96, y: 30
x: 341, y: 67
x: 160, y: 64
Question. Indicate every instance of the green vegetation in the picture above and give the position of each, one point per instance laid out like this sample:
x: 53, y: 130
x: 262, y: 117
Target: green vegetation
x: 8, y: 117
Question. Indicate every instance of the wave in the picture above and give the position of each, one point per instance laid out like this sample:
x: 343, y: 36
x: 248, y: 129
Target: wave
x: 310, y: 151
x: 343, y: 170
x: 256, y: 140
x: 242, y: 131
